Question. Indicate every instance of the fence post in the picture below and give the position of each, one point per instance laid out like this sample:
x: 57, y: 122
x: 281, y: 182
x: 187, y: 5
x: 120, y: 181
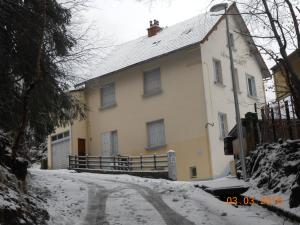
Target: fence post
x: 70, y: 167
x: 128, y: 166
x: 76, y: 163
x: 114, y: 162
x: 87, y: 161
x: 288, y: 119
x: 154, y: 158
x: 141, y: 160
x: 100, y: 163
x: 172, y: 165
x: 273, y: 125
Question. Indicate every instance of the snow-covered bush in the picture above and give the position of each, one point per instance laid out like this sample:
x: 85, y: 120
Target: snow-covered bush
x: 275, y: 167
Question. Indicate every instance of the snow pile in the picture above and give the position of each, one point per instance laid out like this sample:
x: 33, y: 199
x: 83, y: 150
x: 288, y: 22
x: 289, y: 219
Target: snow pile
x: 275, y: 168
x: 16, y: 207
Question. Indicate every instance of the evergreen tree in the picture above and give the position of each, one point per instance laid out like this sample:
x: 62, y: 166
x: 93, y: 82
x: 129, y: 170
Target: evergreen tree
x: 34, y: 38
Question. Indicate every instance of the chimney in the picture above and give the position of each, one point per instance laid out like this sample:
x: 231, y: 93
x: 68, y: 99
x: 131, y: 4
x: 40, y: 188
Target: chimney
x: 154, y: 28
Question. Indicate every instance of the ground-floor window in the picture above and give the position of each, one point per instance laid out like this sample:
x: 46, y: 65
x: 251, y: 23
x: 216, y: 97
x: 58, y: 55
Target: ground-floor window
x: 193, y: 171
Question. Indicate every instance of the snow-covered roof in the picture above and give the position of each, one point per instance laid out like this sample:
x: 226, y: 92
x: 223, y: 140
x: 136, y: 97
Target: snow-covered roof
x: 170, y: 39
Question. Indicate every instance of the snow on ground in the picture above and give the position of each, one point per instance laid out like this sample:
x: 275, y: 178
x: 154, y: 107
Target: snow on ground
x: 83, y: 198
x: 257, y: 193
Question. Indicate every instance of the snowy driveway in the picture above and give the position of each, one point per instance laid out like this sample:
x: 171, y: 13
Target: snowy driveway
x: 90, y: 199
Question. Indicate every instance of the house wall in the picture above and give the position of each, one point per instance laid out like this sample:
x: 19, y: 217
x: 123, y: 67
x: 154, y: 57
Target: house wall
x: 220, y: 98
x: 281, y: 87
x: 181, y: 104
x: 77, y: 130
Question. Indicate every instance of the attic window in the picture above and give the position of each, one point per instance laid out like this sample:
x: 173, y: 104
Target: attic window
x: 156, y: 42
x: 187, y: 31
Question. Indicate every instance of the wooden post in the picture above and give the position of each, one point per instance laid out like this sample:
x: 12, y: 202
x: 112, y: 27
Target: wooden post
x: 114, y: 162
x: 141, y: 161
x: 128, y: 161
x: 70, y: 167
x: 288, y: 119
x: 273, y: 125
x: 76, y: 163
x: 100, y: 163
x: 154, y: 158
x: 87, y: 161
x: 255, y: 107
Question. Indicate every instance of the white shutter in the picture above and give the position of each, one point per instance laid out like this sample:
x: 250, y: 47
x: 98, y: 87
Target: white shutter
x: 114, y: 143
x: 108, y: 95
x: 217, y: 71
x: 152, y: 82
x: 106, y: 144
x: 156, y: 133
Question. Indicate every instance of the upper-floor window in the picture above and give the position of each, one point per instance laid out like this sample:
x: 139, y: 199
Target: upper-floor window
x: 217, y: 71
x: 251, y: 87
x: 152, y: 82
x: 156, y: 134
x: 236, y: 76
x: 108, y: 97
x: 231, y: 40
x: 110, y: 143
x: 223, y: 124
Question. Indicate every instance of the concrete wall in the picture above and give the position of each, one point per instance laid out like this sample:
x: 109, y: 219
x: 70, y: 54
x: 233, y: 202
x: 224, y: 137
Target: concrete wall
x: 181, y: 104
x: 220, y: 98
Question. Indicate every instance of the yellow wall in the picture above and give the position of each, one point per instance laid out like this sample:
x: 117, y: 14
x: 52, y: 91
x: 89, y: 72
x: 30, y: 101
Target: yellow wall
x: 181, y: 104
x: 281, y: 87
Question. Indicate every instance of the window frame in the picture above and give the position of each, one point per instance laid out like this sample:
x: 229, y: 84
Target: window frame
x: 236, y: 74
x: 147, y: 93
x: 102, y: 88
x: 163, y: 143
x: 192, y: 170
x: 222, y: 119
x: 218, y: 78
x: 253, y: 86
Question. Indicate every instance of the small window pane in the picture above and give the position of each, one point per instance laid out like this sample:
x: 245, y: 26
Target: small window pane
x: 251, y: 86
x: 193, y: 172
x: 231, y: 38
x: 236, y: 79
x: 54, y: 138
x: 152, y: 82
x: 223, y: 125
x: 60, y: 136
x: 108, y: 95
x: 218, y: 71
x: 156, y: 133
x: 66, y: 134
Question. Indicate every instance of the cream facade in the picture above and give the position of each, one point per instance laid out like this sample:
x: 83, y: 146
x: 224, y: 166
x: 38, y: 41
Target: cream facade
x: 188, y: 104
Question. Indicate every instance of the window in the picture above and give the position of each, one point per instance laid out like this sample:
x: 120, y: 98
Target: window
x: 110, y: 143
x: 152, y: 82
x: 108, y: 97
x: 156, y: 134
x: 60, y: 136
x: 236, y: 79
x: 251, y: 85
x: 223, y: 125
x: 231, y: 40
x: 217, y: 71
x: 193, y: 172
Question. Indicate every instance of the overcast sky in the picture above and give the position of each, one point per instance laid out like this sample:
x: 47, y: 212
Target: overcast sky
x: 118, y: 21
x: 124, y: 20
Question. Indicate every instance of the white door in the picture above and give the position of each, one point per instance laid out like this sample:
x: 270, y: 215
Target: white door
x: 60, y: 154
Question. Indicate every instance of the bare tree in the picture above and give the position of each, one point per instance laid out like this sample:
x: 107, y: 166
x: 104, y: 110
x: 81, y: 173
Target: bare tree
x: 275, y: 29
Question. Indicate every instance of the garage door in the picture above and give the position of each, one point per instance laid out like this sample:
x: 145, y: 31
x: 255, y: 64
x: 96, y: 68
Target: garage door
x: 60, y: 154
